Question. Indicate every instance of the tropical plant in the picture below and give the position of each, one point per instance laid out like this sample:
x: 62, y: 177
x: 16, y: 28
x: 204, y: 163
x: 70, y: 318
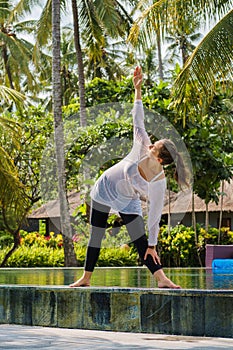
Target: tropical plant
x: 10, y: 97
x: 93, y: 21
x: 146, y: 32
x: 14, y: 203
x: 68, y: 66
x: 181, y: 41
x: 211, y: 61
x: 15, y: 53
x: 70, y: 258
x: 12, y: 193
x: 195, y: 85
x: 35, y: 134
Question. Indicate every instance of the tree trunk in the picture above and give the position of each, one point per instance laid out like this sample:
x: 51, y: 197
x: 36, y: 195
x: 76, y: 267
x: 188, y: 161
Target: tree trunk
x: 158, y: 38
x: 64, y: 74
x: 81, y: 79
x: 70, y: 258
x: 194, y: 224
x: 220, y: 215
x: 207, y: 218
x: 169, y: 216
x: 14, y: 247
x: 169, y: 207
x: 7, y: 68
x: 183, y: 47
x: 13, y: 228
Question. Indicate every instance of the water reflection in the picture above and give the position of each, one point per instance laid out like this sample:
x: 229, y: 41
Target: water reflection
x: 139, y: 277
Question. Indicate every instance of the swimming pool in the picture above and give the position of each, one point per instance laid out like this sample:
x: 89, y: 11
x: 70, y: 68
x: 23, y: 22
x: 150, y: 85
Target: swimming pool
x: 131, y: 277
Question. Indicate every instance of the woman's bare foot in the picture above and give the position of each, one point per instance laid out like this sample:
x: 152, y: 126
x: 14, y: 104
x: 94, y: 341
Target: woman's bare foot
x: 84, y: 281
x: 166, y: 283
x: 163, y: 281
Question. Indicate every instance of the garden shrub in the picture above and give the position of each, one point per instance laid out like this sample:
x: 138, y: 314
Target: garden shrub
x: 6, y: 239
x: 177, y: 248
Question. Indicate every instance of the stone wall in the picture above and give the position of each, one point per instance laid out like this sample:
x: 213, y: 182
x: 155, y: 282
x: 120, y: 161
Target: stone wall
x: 181, y: 312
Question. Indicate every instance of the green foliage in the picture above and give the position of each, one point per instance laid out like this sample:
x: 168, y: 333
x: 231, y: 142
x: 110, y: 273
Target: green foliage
x: 95, y: 145
x: 210, y: 144
x: 36, y: 128
x: 177, y: 248
x: 100, y: 91
x: 39, y: 251
x: 6, y: 239
x: 208, y: 140
x: 117, y: 257
x: 35, y: 256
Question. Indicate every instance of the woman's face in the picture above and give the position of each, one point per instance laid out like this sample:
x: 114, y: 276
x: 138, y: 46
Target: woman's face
x: 155, y: 148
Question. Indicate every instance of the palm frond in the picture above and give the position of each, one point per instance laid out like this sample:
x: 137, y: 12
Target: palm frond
x: 12, y: 193
x: 19, y: 57
x: 114, y: 17
x: 10, y: 95
x: 44, y: 25
x: 171, y: 11
x: 144, y: 25
x: 89, y: 21
x: 9, y: 129
x: 211, y: 61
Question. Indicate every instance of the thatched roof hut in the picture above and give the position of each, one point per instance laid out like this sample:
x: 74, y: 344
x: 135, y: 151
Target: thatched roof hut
x: 178, y: 202
x: 52, y: 208
x: 184, y: 199
x: 179, y: 206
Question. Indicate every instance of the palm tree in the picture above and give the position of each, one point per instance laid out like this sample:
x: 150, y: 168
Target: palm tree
x: 12, y: 193
x: 70, y: 258
x: 68, y: 65
x: 104, y: 60
x: 15, y: 53
x: 182, y: 41
x: 79, y: 55
x: 14, y: 203
x: 93, y: 21
x: 210, y: 62
x: 146, y: 33
x: 199, y: 71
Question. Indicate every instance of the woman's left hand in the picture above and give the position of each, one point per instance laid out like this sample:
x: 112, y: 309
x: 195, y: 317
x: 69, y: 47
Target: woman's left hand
x: 137, y: 78
x: 154, y: 254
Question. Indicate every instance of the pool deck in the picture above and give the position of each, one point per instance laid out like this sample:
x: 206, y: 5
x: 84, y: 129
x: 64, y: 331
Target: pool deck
x: 200, y: 313
x: 14, y: 337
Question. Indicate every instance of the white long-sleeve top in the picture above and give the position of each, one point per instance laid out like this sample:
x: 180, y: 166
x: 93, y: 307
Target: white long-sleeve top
x: 121, y: 186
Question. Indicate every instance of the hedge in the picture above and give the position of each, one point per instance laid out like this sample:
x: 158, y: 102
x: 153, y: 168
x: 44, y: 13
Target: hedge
x: 177, y: 248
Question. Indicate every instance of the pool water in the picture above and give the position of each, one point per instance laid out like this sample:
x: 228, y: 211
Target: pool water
x: 131, y: 277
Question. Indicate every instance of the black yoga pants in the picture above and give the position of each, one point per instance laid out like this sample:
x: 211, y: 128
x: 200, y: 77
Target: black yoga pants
x: 135, y: 227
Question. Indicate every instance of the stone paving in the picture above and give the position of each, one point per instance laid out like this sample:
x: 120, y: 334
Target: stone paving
x: 14, y: 337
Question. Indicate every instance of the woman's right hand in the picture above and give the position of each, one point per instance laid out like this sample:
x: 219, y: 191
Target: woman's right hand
x: 154, y: 254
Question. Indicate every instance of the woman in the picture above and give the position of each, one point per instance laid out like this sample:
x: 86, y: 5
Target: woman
x: 140, y: 173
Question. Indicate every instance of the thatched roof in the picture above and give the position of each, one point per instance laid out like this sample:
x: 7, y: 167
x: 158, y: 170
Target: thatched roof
x: 183, y: 201
x: 179, y: 203
x: 52, y: 208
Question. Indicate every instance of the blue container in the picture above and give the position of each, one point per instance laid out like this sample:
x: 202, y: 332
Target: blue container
x: 222, y: 266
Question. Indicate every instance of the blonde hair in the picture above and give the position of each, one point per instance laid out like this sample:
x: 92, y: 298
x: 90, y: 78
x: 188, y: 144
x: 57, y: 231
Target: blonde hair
x: 169, y: 154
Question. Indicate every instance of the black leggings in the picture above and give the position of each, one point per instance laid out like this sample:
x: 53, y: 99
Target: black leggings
x: 135, y: 227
